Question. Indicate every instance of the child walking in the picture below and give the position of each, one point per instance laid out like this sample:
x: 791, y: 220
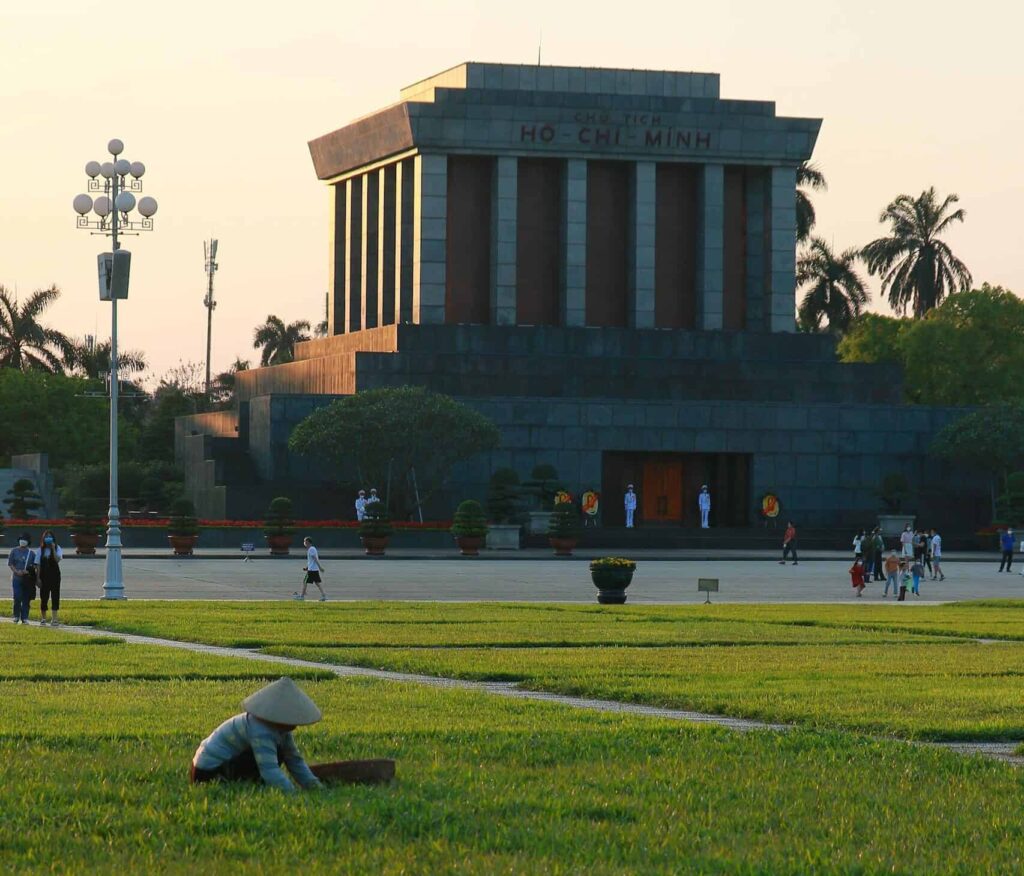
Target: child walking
x: 904, y: 580
x: 857, y: 576
x: 312, y: 570
x: 917, y: 573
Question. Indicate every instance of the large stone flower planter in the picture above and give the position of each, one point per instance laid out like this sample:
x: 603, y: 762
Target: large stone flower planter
x: 85, y: 543
x: 563, y: 546
x: 280, y: 545
x: 539, y: 522
x: 503, y: 537
x: 469, y: 545
x: 183, y: 545
x: 611, y: 584
x: 375, y: 545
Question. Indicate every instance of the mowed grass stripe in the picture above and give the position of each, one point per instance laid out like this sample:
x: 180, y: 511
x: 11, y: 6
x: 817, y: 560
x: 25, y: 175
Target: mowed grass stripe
x: 484, y: 785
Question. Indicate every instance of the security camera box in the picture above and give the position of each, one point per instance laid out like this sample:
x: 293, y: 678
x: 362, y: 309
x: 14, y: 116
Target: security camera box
x: 114, y: 268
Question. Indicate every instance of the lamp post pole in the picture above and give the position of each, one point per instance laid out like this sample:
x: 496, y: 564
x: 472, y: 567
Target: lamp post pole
x: 120, y: 179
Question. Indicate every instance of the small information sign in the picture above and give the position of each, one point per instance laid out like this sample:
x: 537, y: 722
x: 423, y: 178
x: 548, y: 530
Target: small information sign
x: 247, y: 548
x: 708, y: 586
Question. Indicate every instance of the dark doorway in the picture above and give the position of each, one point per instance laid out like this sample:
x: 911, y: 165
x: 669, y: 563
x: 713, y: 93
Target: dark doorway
x: 667, y: 486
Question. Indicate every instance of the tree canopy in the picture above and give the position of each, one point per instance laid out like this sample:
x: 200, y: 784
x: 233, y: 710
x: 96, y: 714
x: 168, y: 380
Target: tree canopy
x: 25, y: 343
x: 808, y: 177
x: 988, y: 440
x: 277, y: 341
x: 395, y: 432
x: 835, y: 291
x: 968, y: 351
x: 916, y: 267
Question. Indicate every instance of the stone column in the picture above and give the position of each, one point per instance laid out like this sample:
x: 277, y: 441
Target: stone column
x: 386, y: 245
x: 353, y: 254
x: 405, y: 179
x: 369, y: 250
x: 336, y: 306
x: 503, y: 240
x: 757, y: 204
x: 780, y: 314
x: 641, y: 291
x: 430, y: 221
x: 710, y: 247
x: 574, y: 297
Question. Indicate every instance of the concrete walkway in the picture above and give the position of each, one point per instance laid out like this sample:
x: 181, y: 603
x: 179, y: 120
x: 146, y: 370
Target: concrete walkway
x: 1004, y: 751
x: 533, y: 579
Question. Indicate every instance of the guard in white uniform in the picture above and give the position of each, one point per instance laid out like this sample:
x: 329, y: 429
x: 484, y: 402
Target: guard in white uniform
x: 361, y: 505
x: 630, y: 504
x: 704, y: 503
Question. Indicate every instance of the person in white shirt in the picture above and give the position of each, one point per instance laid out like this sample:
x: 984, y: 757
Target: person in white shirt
x: 361, y: 505
x: 704, y: 503
x: 312, y: 570
x: 907, y: 543
x: 858, y: 546
x: 937, y: 556
x: 630, y: 505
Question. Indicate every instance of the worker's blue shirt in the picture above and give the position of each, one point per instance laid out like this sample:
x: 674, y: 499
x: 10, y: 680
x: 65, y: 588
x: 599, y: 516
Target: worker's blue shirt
x: 1006, y: 539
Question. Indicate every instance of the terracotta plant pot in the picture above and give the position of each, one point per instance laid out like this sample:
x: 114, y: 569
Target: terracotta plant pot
x: 183, y: 545
x: 374, y: 545
x: 563, y: 546
x: 469, y: 545
x: 611, y: 584
x: 85, y: 543
x: 280, y: 545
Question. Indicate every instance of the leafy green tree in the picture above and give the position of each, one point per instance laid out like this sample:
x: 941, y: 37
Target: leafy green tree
x: 872, y: 337
x: 25, y: 343
x: 808, y: 177
x: 277, y: 340
x: 917, y: 269
x: 51, y: 413
x: 22, y: 499
x: 222, y: 391
x: 836, y: 293
x: 968, y: 351
x: 989, y: 441
x: 407, y: 436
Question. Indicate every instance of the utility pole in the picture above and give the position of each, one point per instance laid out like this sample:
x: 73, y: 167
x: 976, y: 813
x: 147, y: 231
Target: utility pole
x: 210, y: 259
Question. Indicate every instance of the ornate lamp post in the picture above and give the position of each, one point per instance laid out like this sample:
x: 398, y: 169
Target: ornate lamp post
x: 117, y: 180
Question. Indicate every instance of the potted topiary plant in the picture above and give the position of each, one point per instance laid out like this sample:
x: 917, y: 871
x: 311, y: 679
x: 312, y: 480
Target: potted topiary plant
x: 611, y: 577
x: 278, y: 527
x: 503, y: 502
x: 469, y: 528
x: 894, y: 491
x: 375, y: 529
x: 564, y: 529
x: 544, y: 486
x: 183, y: 528
x: 86, y: 528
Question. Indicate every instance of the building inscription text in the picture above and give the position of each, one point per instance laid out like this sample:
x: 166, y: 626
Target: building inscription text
x: 623, y: 130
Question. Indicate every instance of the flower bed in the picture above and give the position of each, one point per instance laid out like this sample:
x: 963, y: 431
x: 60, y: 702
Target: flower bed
x: 163, y: 522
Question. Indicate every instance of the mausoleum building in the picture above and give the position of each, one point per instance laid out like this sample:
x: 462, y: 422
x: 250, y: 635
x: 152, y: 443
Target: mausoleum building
x: 603, y: 262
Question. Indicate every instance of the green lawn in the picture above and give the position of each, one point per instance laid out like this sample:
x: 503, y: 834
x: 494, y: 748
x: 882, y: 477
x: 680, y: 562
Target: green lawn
x: 92, y: 780
x: 906, y: 670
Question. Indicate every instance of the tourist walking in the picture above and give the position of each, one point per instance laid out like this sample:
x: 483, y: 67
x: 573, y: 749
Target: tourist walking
x: 704, y: 503
x: 1006, y: 543
x: 789, y: 543
x: 892, y: 569
x: 858, y: 546
x: 868, y: 548
x: 916, y: 573
x: 312, y: 570
x: 48, y: 563
x: 918, y: 545
x: 904, y: 579
x: 22, y: 586
x: 879, y: 543
x: 936, y: 541
x: 907, y: 543
x: 629, y: 503
x: 857, y: 576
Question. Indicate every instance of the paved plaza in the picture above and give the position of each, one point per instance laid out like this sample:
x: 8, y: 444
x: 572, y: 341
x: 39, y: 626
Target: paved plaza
x: 532, y: 576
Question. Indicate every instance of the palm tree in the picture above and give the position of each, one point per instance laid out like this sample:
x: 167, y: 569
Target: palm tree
x: 278, y: 340
x: 918, y: 269
x: 25, y: 343
x: 93, y: 360
x: 223, y: 389
x: 837, y: 293
x: 808, y: 176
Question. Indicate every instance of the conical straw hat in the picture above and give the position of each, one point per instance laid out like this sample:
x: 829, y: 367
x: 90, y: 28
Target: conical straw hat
x: 282, y: 702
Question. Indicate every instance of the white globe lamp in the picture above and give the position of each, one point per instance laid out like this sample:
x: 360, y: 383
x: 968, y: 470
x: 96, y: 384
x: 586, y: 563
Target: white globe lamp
x: 147, y: 206
x: 92, y: 169
x: 123, y: 166
x: 137, y: 169
x: 82, y: 204
x: 115, y: 147
x: 102, y: 206
x: 125, y: 202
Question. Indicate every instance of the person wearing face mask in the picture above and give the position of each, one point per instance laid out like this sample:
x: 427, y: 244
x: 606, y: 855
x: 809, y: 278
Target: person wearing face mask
x: 18, y: 561
x: 48, y: 560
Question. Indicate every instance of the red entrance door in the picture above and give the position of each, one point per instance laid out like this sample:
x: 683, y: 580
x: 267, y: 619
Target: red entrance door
x: 662, y: 490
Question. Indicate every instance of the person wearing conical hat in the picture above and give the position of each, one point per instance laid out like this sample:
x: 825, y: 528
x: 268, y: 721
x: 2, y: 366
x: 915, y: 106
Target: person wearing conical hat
x: 257, y: 743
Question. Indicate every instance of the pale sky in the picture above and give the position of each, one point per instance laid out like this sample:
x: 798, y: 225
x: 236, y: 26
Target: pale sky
x: 219, y: 99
